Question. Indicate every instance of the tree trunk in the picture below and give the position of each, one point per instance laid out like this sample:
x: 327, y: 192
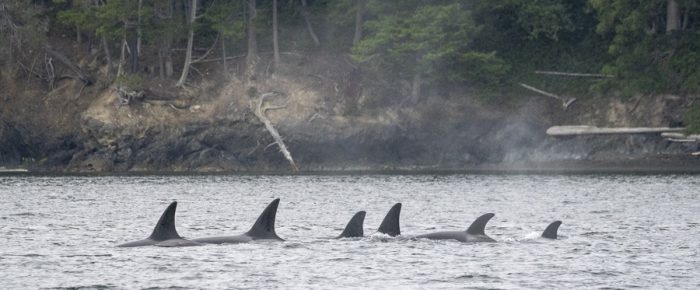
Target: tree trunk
x: 161, y: 63
x: 79, y: 37
x: 190, y: 43
x: 133, y: 48
x: 275, y: 43
x: 108, y: 57
x: 673, y: 16
x: 415, y: 88
x: 358, y: 22
x: 305, y: 13
x: 223, y: 54
x: 138, y: 30
x: 252, y: 57
x: 122, y: 57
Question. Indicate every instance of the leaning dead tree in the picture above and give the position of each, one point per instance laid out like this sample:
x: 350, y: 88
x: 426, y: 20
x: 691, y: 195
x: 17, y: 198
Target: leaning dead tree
x: 260, y: 110
x: 566, y: 102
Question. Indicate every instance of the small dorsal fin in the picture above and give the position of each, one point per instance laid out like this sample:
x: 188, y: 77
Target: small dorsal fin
x: 165, y: 228
x: 477, y: 227
x: 264, y: 227
x: 354, y: 227
x: 390, y: 224
x: 551, y: 231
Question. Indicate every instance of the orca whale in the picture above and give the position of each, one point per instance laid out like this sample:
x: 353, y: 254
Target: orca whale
x: 551, y: 231
x: 474, y: 234
x: 390, y: 224
x: 354, y: 228
x: 164, y: 234
x: 263, y: 229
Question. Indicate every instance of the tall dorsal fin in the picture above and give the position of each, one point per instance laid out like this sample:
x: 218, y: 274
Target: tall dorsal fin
x: 551, y: 231
x: 390, y: 224
x: 354, y: 227
x: 264, y: 227
x: 165, y: 228
x: 477, y: 227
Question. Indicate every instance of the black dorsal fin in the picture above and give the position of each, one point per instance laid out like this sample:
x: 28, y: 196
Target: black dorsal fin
x: 477, y: 227
x: 165, y: 228
x: 264, y: 227
x: 354, y: 227
x: 390, y: 224
x: 551, y: 231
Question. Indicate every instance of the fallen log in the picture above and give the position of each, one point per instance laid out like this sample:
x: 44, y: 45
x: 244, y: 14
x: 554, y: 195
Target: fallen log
x: 593, y: 130
x: 680, y: 137
x: 570, y: 74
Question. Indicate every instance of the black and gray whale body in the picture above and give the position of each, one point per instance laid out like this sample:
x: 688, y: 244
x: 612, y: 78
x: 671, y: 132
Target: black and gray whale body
x: 263, y: 229
x: 389, y: 226
x: 474, y: 234
x: 164, y: 234
x: 354, y: 228
x: 551, y: 231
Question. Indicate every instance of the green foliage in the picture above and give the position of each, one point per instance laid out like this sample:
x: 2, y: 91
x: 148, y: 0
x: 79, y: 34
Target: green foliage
x: 692, y: 119
x: 536, y: 18
x: 433, y: 40
x: 221, y: 16
x: 645, y: 57
x: 133, y: 82
x: 23, y: 27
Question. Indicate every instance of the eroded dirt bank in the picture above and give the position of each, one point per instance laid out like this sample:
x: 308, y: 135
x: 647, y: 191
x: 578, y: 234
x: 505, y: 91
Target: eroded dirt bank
x: 332, y: 117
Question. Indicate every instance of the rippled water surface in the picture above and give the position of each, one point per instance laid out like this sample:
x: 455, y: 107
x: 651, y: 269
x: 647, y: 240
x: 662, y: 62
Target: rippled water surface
x: 619, y: 231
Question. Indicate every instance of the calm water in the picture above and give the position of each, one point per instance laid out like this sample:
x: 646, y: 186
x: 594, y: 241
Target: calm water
x: 619, y: 231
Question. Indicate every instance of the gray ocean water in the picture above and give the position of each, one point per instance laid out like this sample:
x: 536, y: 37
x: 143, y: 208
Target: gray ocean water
x: 619, y: 231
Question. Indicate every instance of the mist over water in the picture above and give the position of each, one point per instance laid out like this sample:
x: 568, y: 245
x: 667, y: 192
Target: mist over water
x: 619, y: 231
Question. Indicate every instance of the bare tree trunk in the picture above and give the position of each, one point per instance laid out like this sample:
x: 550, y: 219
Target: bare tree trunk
x: 79, y: 37
x: 684, y: 26
x: 105, y: 47
x: 133, y: 49
x: 161, y: 64
x: 305, y: 13
x: 122, y: 57
x: 223, y: 54
x: 275, y: 42
x: 673, y: 16
x: 415, y: 88
x: 358, y: 22
x: 138, y: 30
x: 169, y: 71
x: 190, y: 43
x: 252, y: 57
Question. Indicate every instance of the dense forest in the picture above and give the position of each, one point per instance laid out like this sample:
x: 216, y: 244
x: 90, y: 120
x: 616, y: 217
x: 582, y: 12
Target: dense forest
x: 411, y: 50
x: 648, y: 46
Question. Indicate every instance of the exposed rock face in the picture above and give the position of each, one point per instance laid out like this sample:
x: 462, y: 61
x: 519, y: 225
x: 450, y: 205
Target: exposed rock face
x: 12, y: 147
x: 330, y: 120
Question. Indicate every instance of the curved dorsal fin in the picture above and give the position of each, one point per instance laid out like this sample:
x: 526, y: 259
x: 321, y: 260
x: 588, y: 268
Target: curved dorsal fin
x: 477, y: 227
x: 390, y: 224
x: 551, y: 231
x: 354, y: 227
x: 165, y: 228
x: 264, y: 227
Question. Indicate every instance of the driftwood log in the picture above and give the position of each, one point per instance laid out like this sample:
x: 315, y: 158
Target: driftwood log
x: 680, y: 137
x: 593, y: 130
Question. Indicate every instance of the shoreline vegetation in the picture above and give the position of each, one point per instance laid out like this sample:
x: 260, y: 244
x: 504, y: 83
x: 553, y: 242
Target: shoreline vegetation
x: 268, y: 86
